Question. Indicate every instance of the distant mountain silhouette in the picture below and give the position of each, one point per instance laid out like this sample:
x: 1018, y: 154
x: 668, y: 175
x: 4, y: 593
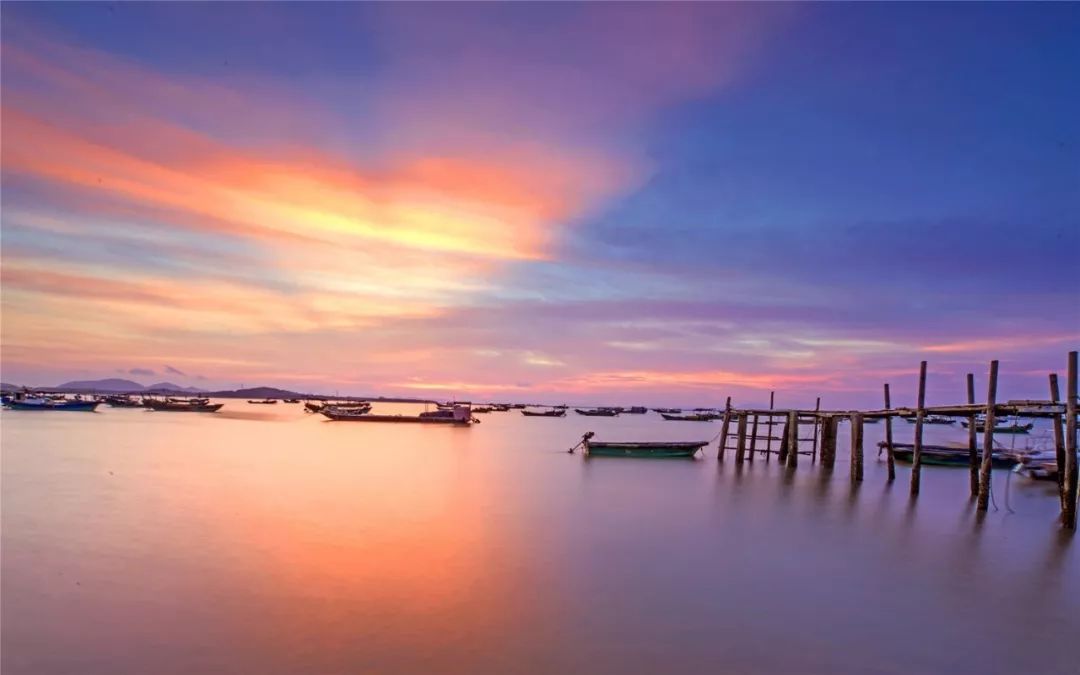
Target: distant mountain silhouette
x: 169, y: 386
x: 108, y: 384
x: 9, y: 387
x: 120, y: 385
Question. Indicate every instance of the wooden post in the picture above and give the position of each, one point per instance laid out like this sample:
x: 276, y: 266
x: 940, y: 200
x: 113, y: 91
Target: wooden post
x: 781, y: 454
x: 973, y: 439
x: 916, y: 460
x: 769, y: 425
x: 856, y: 447
x: 1069, y: 515
x: 817, y: 424
x: 988, y: 438
x: 888, y: 437
x: 828, y: 441
x: 793, y: 439
x: 1059, y: 443
x: 753, y: 438
x: 740, y: 448
x: 724, y: 431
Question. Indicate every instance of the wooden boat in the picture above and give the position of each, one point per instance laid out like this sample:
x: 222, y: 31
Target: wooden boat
x: 22, y: 402
x: 200, y: 405
x: 482, y: 409
x: 695, y: 417
x: 670, y: 411
x: 460, y: 415
x: 313, y: 407
x: 555, y: 412
x: 932, y: 419
x: 948, y: 455
x: 636, y: 410
x: 115, y: 401
x: 597, y: 412
x: 650, y: 449
x: 268, y: 401
x: 1014, y: 428
x: 290, y: 400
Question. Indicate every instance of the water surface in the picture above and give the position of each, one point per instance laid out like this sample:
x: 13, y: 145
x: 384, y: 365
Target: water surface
x: 265, y: 540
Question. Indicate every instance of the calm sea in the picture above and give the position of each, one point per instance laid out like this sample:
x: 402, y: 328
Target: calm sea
x: 266, y: 540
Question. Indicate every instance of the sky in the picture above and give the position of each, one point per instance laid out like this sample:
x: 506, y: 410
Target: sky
x: 550, y: 202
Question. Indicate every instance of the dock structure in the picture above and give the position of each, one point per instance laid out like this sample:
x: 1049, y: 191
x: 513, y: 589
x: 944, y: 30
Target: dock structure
x: 823, y: 440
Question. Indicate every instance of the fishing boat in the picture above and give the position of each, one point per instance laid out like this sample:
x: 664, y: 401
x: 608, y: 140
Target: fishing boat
x: 637, y: 410
x: 597, y: 412
x: 694, y: 417
x: 554, y: 412
x: 290, y: 400
x: 1014, y: 428
x: 651, y: 449
x: 670, y: 411
x: 949, y: 455
x: 459, y: 415
x: 199, y: 405
x: 22, y: 401
x: 121, y: 401
x: 1037, y: 465
x: 267, y: 401
x: 313, y: 407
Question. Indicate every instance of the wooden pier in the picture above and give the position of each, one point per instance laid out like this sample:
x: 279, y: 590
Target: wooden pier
x: 821, y: 436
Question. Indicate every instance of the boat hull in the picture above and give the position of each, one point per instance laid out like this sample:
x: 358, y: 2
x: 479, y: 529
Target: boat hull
x: 180, y: 407
x: 70, y: 406
x: 936, y: 455
x: 660, y: 450
x: 400, y: 419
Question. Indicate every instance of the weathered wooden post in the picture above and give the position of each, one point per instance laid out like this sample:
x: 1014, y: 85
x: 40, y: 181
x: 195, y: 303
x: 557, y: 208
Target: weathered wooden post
x: 817, y: 423
x: 916, y: 460
x: 888, y: 437
x: 753, y: 438
x: 856, y: 447
x: 740, y: 447
x: 724, y: 431
x: 828, y: 441
x: 793, y: 439
x: 973, y: 439
x: 988, y: 439
x: 769, y: 426
x: 1069, y: 514
x: 1059, y: 442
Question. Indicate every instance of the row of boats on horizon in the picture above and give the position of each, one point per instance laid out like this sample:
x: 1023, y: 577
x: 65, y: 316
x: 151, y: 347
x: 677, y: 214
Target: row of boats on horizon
x: 1036, y: 463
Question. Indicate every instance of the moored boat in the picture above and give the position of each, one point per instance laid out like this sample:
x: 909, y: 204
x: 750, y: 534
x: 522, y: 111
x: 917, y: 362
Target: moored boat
x: 122, y: 401
x: 1014, y: 428
x: 21, y: 401
x: 949, y: 455
x: 695, y: 417
x: 459, y: 415
x: 200, y: 405
x: 554, y: 412
x: 597, y: 412
x: 266, y: 401
x: 932, y: 419
x: 650, y: 449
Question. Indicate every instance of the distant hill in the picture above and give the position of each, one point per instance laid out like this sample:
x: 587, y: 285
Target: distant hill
x: 169, y: 386
x: 108, y: 384
x: 258, y: 392
x: 9, y: 387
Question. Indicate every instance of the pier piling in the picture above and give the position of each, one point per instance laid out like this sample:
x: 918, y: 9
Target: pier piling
x: 740, y: 448
x: 856, y: 447
x: 888, y: 437
x: 988, y: 439
x: 1059, y: 443
x: 920, y: 413
x: 724, y: 431
x: 1069, y: 513
x: 793, y: 439
x: 973, y: 439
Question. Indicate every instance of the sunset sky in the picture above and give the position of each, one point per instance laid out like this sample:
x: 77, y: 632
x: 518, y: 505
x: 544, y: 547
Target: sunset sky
x: 591, y: 203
